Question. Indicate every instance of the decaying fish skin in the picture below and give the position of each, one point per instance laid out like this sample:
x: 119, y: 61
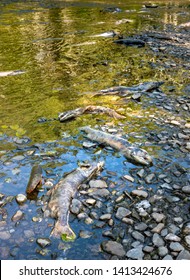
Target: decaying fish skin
x: 130, y: 151
x: 124, y: 91
x: 35, y: 180
x: 61, y: 196
x: 87, y: 110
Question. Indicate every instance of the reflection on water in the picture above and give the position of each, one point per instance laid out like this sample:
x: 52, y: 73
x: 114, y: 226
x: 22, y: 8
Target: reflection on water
x: 52, y: 42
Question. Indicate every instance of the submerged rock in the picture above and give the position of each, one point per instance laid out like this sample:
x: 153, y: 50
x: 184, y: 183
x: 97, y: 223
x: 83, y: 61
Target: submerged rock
x: 114, y: 248
x: 21, y: 198
x: 43, y: 242
x: 136, y: 253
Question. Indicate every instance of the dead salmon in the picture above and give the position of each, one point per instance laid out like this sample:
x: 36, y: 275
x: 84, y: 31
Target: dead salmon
x: 124, y: 91
x: 87, y: 110
x: 62, y: 194
x: 130, y: 151
x: 35, y: 180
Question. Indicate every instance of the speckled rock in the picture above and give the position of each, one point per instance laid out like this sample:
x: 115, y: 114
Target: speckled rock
x: 176, y: 247
x: 158, y: 217
x: 162, y: 251
x: 183, y: 255
x: 172, y: 237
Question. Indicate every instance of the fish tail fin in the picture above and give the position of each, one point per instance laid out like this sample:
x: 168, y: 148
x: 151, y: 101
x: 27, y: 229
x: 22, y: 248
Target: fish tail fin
x: 63, y: 231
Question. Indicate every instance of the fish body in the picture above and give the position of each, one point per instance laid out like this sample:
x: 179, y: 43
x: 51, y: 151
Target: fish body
x: 130, y: 151
x: 35, y: 179
x: 125, y: 91
x: 87, y: 110
x: 62, y: 194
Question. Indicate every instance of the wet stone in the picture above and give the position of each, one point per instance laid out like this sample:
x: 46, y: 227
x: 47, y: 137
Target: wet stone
x: 85, y: 234
x: 149, y: 178
x: 98, y: 184
x: 88, y: 145
x: 157, y: 240
x: 114, y: 248
x: 162, y: 251
x: 122, y: 212
x: 176, y: 247
x: 148, y: 249
x: 28, y: 233
x: 136, y: 253
x: 141, y: 226
x: 21, y: 198
x: 43, y: 242
x: 158, y: 217
x: 183, y: 255
x: 4, y: 235
x: 129, y: 178
x: 17, y: 216
x: 138, y: 236
x: 18, y: 158
x: 172, y: 237
x: 105, y: 217
x: 186, y: 189
x: 158, y: 228
x: 90, y: 201
x: 128, y: 221
x: 187, y: 240
x: 139, y: 193
x: 168, y: 257
x: 186, y: 229
x: 94, y: 192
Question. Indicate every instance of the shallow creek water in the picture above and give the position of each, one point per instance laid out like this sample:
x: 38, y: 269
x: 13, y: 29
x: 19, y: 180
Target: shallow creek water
x: 57, y: 61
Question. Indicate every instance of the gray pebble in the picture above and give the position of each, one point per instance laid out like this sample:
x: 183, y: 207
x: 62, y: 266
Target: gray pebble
x: 122, y: 213
x: 17, y: 216
x: 138, y: 236
x: 186, y: 189
x: 136, y: 253
x: 172, y: 237
x: 139, y: 193
x: 98, y: 184
x: 4, y: 235
x: 148, y: 249
x: 158, y: 228
x: 162, y: 251
x: 105, y: 217
x: 176, y: 247
x: 76, y: 206
x: 157, y: 240
x: 158, y: 217
x: 141, y: 226
x: 113, y: 248
x: 43, y: 242
x: 183, y: 255
x: 168, y: 257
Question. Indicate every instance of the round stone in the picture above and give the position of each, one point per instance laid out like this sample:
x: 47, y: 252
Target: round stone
x: 139, y: 193
x: 122, y: 212
x: 21, y: 198
x: 113, y: 248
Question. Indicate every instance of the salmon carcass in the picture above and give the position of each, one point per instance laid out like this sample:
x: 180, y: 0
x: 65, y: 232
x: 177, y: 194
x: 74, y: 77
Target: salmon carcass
x: 62, y: 194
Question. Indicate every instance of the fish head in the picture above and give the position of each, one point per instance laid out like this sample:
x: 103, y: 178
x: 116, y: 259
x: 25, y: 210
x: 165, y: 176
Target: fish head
x: 66, y: 116
x: 141, y: 156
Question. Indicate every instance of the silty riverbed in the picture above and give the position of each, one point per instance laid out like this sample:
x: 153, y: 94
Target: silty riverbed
x: 56, y: 56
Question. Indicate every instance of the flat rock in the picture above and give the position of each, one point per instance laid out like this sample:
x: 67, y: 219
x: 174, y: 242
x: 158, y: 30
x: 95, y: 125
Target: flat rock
x: 176, y: 247
x: 172, y: 237
x: 138, y: 236
x: 183, y: 255
x: 122, y: 212
x: 106, y: 216
x: 85, y: 234
x: 158, y: 228
x: 139, y: 193
x: 162, y: 251
x: 141, y: 226
x: 43, y: 242
x: 17, y: 216
x: 186, y: 189
x: 149, y: 178
x: 158, y: 217
x: 94, y: 192
x: 129, y: 178
x: 97, y: 184
x: 114, y: 248
x: 136, y: 253
x: 157, y: 240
